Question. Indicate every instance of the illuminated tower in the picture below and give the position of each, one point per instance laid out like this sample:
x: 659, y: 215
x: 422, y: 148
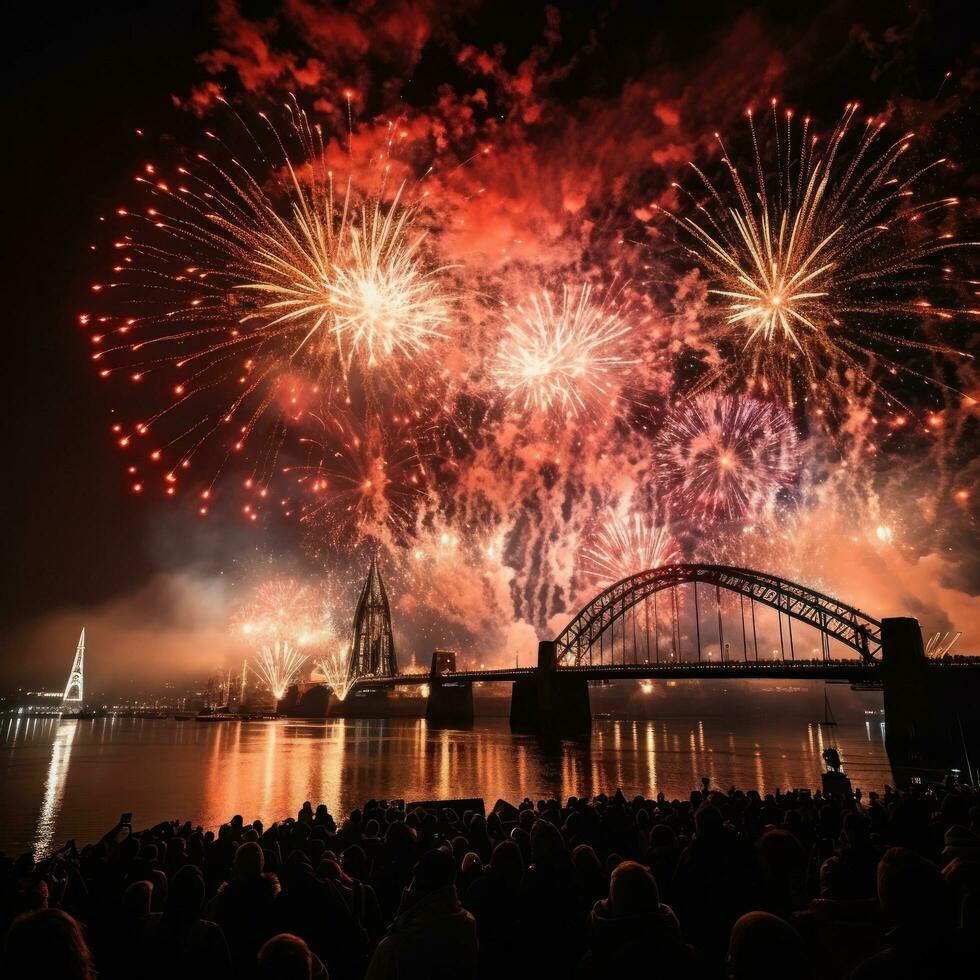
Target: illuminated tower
x: 372, y: 645
x: 75, y: 691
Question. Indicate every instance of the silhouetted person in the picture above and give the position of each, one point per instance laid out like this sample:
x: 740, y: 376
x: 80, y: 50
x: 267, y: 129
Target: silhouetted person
x: 46, y: 945
x: 715, y: 883
x: 360, y: 898
x: 393, y: 865
x: 287, y: 957
x: 494, y: 901
x: 552, y: 904
x: 121, y: 951
x: 632, y: 929
x: 315, y: 910
x: 592, y: 881
x: 962, y: 879
x: 663, y: 855
x: 243, y: 908
x: 917, y: 909
x: 765, y: 947
x: 179, y: 943
x: 470, y: 871
x: 479, y: 839
x: 783, y: 864
x: 432, y: 936
x: 851, y: 872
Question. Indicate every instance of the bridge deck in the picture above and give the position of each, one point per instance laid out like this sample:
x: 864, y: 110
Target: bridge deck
x: 851, y: 670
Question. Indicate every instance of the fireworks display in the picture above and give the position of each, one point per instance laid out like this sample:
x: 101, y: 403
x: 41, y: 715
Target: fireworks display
x: 364, y: 481
x: 254, y: 296
x: 725, y: 458
x: 564, y: 356
x: 281, y: 610
x: 624, y: 545
x: 816, y: 264
x: 382, y: 304
x: 333, y: 666
x: 457, y: 334
x: 277, y: 665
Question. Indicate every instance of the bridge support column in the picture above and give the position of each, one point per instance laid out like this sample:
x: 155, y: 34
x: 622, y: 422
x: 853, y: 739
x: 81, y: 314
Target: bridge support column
x: 450, y: 703
x: 551, y: 702
x: 930, y: 709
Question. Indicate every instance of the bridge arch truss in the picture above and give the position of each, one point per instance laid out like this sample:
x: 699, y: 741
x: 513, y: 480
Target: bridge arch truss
x: 834, y: 619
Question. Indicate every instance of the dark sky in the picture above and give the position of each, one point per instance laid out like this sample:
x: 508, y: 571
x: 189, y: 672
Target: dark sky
x: 80, y: 80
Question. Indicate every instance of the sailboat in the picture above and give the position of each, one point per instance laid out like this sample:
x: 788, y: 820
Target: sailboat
x: 828, y: 715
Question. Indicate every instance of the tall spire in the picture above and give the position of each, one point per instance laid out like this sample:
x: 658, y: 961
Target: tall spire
x: 372, y: 644
x: 75, y: 690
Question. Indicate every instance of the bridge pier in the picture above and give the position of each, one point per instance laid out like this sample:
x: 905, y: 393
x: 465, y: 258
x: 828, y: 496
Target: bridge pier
x: 366, y: 702
x: 305, y: 701
x: 450, y: 703
x: 930, y: 709
x: 550, y: 702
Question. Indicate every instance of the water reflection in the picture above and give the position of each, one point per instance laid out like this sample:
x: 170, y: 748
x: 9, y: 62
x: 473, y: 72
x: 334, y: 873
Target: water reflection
x: 54, y: 787
x: 162, y: 769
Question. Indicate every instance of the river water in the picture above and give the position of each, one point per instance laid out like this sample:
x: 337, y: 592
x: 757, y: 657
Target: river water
x: 71, y: 779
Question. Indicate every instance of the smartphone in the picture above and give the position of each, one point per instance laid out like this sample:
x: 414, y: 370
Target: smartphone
x: 126, y: 819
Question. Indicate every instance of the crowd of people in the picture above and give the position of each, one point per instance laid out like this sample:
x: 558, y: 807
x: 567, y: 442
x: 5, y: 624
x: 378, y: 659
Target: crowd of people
x: 722, y: 884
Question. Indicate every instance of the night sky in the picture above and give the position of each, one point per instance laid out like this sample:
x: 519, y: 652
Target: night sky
x: 157, y: 582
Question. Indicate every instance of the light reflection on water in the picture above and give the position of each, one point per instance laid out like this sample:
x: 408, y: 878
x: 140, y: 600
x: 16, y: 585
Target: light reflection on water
x: 54, y: 786
x: 67, y: 779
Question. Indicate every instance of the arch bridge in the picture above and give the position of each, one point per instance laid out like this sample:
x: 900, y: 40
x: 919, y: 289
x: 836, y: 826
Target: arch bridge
x: 590, y: 638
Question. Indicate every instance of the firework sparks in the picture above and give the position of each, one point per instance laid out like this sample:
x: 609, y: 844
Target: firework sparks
x: 366, y: 480
x: 383, y: 304
x: 624, y: 545
x: 278, y: 665
x: 807, y: 264
x: 726, y: 458
x: 564, y: 358
x: 453, y: 570
x: 939, y: 645
x: 252, y: 293
x: 332, y: 654
x: 281, y: 610
x: 333, y: 666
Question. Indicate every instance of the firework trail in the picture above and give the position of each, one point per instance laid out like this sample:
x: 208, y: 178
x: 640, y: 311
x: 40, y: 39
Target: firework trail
x: 333, y: 666
x: 723, y: 458
x: 564, y: 357
x: 939, y: 644
x: 623, y: 545
x: 331, y: 660
x: 278, y: 665
x: 254, y: 291
x: 807, y: 264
